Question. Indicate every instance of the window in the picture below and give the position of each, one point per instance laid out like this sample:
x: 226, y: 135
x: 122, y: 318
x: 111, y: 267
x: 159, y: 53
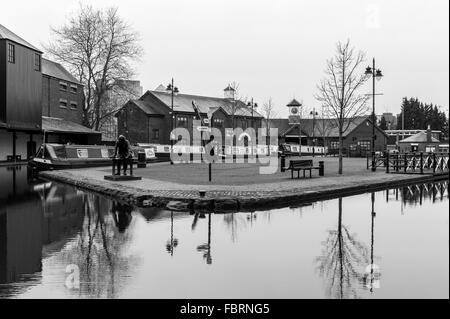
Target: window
x: 218, y: 123
x: 11, y: 53
x: 37, y: 62
x: 364, y: 145
x: 156, y: 134
x: 353, y: 147
x: 334, y: 145
x: 73, y: 105
x: 73, y: 88
x: 182, y: 121
x: 62, y: 86
x: 63, y: 103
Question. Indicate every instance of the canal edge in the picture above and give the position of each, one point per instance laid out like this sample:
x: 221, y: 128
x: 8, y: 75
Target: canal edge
x: 191, y: 201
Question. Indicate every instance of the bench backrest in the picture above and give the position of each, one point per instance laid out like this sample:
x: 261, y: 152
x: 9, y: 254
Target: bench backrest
x: 300, y: 163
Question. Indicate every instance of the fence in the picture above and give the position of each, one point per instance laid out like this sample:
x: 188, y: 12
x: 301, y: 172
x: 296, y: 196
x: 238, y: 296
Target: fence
x: 418, y: 163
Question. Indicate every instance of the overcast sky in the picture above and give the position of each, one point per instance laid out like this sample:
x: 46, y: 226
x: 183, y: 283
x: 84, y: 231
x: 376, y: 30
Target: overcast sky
x: 272, y: 48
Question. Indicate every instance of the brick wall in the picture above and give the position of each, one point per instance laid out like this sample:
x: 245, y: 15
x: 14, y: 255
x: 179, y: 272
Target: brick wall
x: 364, y: 133
x: 51, y: 96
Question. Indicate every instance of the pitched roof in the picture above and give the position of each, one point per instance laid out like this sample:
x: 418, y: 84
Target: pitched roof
x: 294, y: 102
x: 281, y: 124
x: 420, y: 137
x: 146, y: 107
x: 183, y: 103
x: 9, y: 35
x: 57, y: 125
x: 56, y: 70
x: 322, y: 127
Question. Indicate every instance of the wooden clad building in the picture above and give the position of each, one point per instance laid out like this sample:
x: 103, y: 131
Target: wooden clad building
x: 20, y: 96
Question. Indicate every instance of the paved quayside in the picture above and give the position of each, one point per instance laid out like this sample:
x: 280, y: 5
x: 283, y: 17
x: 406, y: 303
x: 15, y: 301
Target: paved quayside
x: 244, y: 195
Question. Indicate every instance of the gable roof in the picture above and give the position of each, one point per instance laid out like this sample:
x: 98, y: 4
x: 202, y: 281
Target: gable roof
x: 146, y: 107
x: 56, y: 70
x: 281, y: 124
x: 57, y: 125
x: 7, y: 34
x: 320, y: 126
x: 294, y: 102
x: 420, y: 137
x: 183, y: 103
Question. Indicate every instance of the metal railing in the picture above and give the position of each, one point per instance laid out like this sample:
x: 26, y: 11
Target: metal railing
x: 419, y: 163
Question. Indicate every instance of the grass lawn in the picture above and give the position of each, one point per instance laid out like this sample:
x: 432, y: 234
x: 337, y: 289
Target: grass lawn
x: 244, y: 173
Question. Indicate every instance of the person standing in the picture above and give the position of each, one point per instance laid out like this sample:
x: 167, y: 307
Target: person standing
x: 123, y: 153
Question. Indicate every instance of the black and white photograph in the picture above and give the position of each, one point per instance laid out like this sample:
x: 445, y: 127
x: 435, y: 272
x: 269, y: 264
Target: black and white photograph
x: 224, y: 156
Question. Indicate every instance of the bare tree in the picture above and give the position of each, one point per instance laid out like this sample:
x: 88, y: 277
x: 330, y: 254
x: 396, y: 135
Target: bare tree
x: 269, y: 113
x: 99, y: 47
x: 339, y: 90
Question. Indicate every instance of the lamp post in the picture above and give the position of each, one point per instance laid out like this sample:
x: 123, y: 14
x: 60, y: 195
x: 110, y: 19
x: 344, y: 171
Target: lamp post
x: 376, y: 75
x: 253, y: 105
x: 314, y: 114
x: 172, y: 243
x: 172, y: 89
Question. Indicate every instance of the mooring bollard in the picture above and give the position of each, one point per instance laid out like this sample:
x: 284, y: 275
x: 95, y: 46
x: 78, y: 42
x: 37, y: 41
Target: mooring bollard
x: 387, y: 162
x: 210, y: 171
x: 421, y: 162
x: 434, y: 163
x: 321, y: 168
x: 283, y: 162
x: 142, y: 162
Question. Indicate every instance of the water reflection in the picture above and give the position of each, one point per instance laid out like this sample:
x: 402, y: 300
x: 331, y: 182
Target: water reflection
x: 206, y: 248
x: 172, y: 243
x: 341, y: 260
x: 46, y: 227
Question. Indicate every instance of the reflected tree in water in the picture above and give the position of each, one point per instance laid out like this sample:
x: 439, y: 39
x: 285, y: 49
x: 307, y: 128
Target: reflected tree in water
x: 236, y: 221
x: 342, y: 259
x: 100, y: 250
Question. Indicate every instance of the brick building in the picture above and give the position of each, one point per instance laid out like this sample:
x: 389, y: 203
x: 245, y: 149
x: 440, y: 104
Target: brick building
x: 62, y: 94
x: 357, y: 138
x: 123, y: 91
x: 147, y: 119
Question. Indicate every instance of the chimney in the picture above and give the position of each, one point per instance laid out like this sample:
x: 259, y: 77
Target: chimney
x: 429, y: 134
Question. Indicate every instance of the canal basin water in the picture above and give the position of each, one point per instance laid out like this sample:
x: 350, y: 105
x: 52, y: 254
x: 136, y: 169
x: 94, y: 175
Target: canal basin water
x: 57, y: 241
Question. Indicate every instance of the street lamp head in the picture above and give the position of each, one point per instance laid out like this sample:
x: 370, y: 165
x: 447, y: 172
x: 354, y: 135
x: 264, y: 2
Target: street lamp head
x: 368, y: 71
x: 175, y: 90
x: 169, y: 88
x: 379, y: 75
x: 256, y: 105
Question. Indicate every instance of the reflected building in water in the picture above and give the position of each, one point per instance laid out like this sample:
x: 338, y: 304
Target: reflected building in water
x: 36, y: 218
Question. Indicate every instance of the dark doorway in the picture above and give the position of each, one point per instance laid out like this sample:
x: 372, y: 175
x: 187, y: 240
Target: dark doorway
x: 31, y: 149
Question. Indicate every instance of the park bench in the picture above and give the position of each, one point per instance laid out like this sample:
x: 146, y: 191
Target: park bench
x: 304, y: 165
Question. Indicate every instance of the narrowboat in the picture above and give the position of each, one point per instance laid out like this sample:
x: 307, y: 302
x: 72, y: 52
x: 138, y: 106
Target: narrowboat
x: 59, y: 156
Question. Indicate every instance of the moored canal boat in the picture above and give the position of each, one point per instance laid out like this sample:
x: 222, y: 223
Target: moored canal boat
x: 60, y: 156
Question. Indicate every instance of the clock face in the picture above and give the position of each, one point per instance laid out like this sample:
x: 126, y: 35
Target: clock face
x: 294, y: 110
